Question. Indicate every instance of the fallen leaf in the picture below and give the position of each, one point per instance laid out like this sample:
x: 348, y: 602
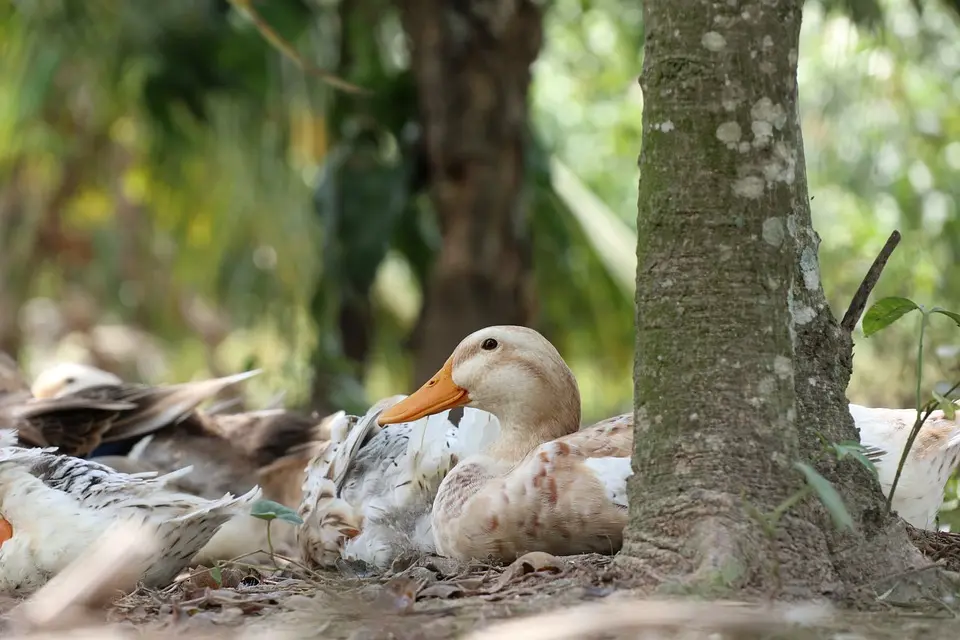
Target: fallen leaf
x: 446, y: 567
x: 532, y: 562
x: 398, y: 595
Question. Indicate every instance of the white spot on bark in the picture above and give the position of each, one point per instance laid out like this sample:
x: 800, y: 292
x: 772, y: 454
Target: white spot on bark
x: 766, y: 111
x: 744, y: 146
x: 810, y: 269
x: 749, y: 187
x: 694, y: 417
x: 812, y: 382
x: 762, y: 133
x: 792, y: 57
x: 666, y: 283
x: 766, y: 386
x: 782, y: 165
x: 729, y: 133
x: 713, y: 41
x: 768, y: 67
x: 803, y: 315
x: 773, y: 231
x: 783, y: 367
x: 767, y: 42
x: 666, y: 127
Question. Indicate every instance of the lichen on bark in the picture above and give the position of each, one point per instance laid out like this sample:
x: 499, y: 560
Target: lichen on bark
x: 740, y: 363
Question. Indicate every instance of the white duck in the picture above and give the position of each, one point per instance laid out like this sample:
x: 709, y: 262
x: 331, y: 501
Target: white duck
x: 932, y: 459
x: 368, y: 496
x: 544, y: 486
x: 53, y: 507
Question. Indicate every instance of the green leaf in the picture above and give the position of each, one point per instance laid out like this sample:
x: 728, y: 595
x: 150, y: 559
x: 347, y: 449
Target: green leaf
x: 885, y: 312
x: 950, y: 314
x: 949, y: 409
x: 270, y: 510
x: 217, y: 575
x: 853, y: 450
x: 828, y: 496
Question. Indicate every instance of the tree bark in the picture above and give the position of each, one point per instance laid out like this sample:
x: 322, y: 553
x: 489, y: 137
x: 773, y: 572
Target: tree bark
x: 739, y: 360
x: 471, y: 60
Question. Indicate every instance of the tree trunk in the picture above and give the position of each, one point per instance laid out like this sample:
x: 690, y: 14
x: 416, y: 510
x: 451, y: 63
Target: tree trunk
x: 739, y: 360
x: 472, y: 63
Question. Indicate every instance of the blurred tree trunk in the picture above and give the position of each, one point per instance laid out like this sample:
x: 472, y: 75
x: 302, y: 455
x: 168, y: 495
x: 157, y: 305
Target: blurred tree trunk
x: 472, y: 65
x: 739, y: 361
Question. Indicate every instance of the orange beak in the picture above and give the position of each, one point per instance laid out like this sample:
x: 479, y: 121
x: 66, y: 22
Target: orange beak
x: 438, y: 394
x: 6, y: 531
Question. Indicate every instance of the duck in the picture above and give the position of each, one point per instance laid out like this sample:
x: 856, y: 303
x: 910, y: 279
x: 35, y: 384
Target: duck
x: 54, y: 506
x: 367, y: 497
x: 931, y: 461
x: 87, y: 412
x: 76, y: 407
x: 543, y: 484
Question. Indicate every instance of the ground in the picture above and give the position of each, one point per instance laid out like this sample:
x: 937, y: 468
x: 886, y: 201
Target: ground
x: 438, y: 598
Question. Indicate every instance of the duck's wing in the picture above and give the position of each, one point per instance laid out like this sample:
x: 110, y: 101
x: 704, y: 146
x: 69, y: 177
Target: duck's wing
x: 328, y: 521
x: 185, y: 536
x: 376, y: 504
x: 612, y: 437
x: 8, y: 438
x: 266, y: 435
x: 161, y: 406
x: 75, y: 424
x: 555, y: 500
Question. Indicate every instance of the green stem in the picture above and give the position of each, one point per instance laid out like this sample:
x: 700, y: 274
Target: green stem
x: 787, y: 504
x: 921, y: 417
x: 273, y: 556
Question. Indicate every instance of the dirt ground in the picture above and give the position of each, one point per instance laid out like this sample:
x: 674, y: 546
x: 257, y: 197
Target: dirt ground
x: 576, y: 597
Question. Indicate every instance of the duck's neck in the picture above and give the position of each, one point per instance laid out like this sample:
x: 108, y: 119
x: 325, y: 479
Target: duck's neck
x: 521, y: 435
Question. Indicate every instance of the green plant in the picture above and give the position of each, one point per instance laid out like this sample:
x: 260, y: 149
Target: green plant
x: 881, y: 315
x: 268, y: 510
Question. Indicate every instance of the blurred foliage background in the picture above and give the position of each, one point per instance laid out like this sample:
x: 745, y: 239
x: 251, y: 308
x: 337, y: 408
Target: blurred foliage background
x: 178, y: 198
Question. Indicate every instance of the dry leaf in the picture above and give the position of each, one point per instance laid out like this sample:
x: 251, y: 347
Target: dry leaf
x: 532, y: 562
x: 399, y: 595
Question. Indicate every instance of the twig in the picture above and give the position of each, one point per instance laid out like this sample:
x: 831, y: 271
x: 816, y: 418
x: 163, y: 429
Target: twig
x: 859, y: 302
x: 903, y: 574
x: 284, y: 47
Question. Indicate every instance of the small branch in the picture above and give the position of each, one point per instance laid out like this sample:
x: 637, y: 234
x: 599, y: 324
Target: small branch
x: 284, y: 47
x: 859, y: 302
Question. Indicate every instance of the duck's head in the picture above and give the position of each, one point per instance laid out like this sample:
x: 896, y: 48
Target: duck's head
x: 512, y: 372
x: 70, y: 377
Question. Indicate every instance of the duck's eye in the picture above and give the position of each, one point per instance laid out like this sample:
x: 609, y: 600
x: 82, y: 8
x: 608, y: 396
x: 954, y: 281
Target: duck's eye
x: 69, y: 380
x: 489, y: 344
